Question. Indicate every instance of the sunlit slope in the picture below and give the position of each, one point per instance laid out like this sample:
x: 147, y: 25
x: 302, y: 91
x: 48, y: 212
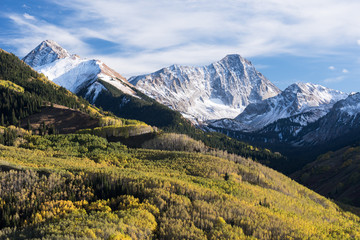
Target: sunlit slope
x: 81, y: 186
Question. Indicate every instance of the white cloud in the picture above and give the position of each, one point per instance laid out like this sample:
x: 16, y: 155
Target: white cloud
x: 196, y: 32
x: 332, y: 68
x: 163, y: 23
x: 29, y: 17
x: 345, y: 71
x: 335, y: 79
x: 35, y: 31
x: 358, y: 42
x: 249, y: 27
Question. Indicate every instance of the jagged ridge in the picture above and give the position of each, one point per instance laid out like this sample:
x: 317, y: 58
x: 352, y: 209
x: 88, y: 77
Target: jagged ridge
x: 302, y: 102
x: 222, y: 89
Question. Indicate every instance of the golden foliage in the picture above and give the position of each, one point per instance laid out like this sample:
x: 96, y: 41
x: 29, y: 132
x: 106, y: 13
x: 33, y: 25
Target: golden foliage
x: 12, y: 86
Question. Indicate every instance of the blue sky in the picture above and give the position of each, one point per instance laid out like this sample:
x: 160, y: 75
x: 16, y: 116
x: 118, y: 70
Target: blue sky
x: 288, y: 41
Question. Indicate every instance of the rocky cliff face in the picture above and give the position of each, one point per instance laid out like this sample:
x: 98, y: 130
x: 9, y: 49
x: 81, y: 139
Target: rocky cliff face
x: 221, y: 90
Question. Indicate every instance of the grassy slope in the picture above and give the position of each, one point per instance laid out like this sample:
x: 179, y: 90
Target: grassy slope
x: 187, y: 192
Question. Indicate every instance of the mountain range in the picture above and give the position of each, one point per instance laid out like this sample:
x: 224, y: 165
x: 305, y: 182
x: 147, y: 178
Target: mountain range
x: 221, y: 90
x: 229, y: 96
x: 290, y: 117
x: 308, y: 102
x: 97, y: 83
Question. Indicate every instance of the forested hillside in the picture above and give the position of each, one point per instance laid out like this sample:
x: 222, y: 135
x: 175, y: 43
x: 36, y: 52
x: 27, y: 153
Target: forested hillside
x: 335, y: 175
x: 81, y: 186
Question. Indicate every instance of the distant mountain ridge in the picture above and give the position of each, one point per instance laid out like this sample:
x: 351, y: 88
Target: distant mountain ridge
x: 74, y: 73
x: 338, y: 127
x: 342, y: 120
x: 221, y: 90
x: 303, y: 103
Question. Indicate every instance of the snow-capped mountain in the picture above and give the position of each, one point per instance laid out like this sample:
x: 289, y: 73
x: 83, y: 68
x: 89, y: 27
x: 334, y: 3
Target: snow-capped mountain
x: 342, y: 120
x: 74, y: 73
x: 221, y: 90
x: 302, y: 103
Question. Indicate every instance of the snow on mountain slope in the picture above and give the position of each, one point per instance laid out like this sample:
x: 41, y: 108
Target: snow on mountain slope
x: 350, y: 106
x: 221, y: 90
x: 343, y: 119
x: 308, y: 102
x: 74, y: 73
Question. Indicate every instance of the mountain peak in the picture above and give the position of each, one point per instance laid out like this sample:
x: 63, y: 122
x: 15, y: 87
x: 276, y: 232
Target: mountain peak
x: 235, y: 58
x: 300, y: 87
x: 311, y: 89
x: 46, y: 52
x: 79, y: 75
x: 220, y: 90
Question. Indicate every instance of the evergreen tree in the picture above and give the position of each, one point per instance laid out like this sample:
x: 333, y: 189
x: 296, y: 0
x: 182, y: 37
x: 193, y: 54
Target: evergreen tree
x: 14, y: 120
x: 28, y: 125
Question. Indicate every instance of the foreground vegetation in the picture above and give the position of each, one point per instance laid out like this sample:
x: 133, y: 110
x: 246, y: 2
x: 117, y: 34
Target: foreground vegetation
x: 82, y: 186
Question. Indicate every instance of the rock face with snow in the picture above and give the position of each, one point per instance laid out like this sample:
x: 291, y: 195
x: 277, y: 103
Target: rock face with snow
x: 221, y: 90
x: 90, y: 77
x: 285, y: 117
x: 343, y: 120
x: 303, y: 102
x: 300, y: 104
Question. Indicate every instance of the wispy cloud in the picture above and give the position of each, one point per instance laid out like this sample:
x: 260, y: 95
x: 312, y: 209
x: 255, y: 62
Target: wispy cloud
x: 29, y: 17
x: 332, y: 68
x: 345, y: 71
x: 335, y: 79
x: 151, y: 34
x: 33, y: 31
